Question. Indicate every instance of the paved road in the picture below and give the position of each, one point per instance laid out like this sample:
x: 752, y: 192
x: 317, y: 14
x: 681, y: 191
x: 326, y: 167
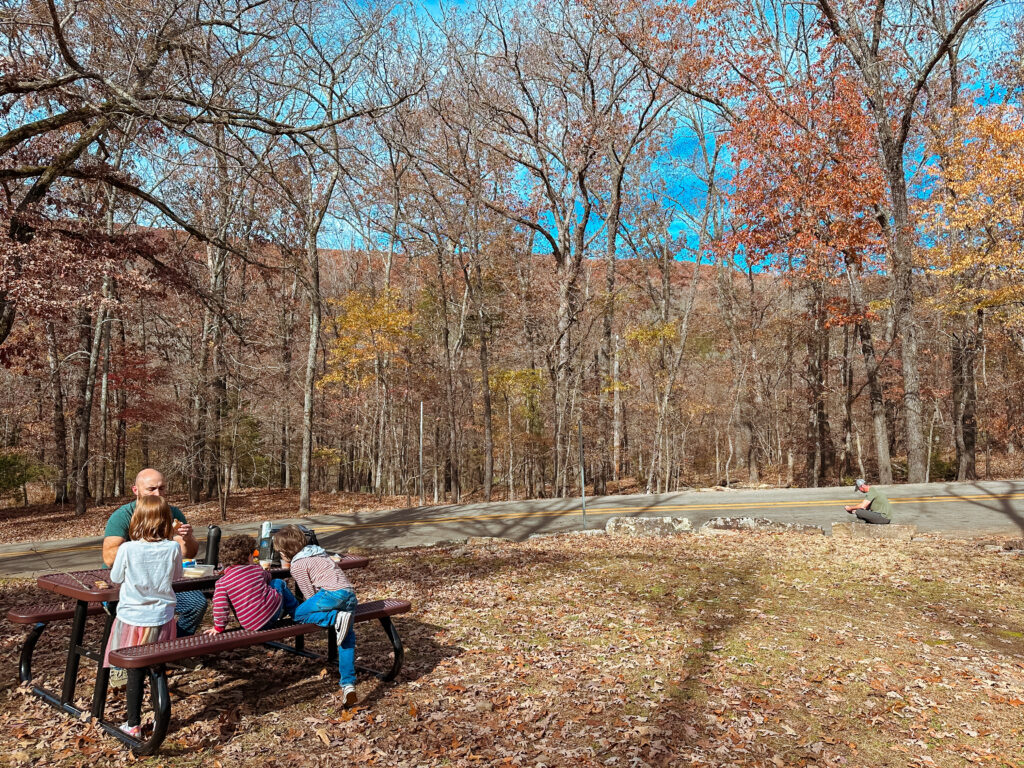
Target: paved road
x: 957, y: 509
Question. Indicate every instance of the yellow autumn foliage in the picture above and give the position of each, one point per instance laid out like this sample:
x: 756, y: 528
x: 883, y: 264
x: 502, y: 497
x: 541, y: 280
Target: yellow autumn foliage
x: 978, y: 213
x: 371, y: 332
x: 649, y: 335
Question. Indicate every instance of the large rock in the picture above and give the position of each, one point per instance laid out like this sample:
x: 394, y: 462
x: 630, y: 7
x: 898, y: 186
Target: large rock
x: 483, y: 541
x: 865, y: 531
x: 647, y: 526
x: 729, y: 524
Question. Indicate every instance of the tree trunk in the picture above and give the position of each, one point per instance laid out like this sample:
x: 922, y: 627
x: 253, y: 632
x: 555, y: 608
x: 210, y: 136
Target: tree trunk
x: 607, y: 359
x: 485, y: 386
x: 876, y: 397
x: 90, y: 337
x: 964, y: 354
x: 903, y: 306
x: 104, y: 458
x: 197, y: 439
x: 313, y: 259
x: 616, y: 416
x: 60, y: 432
x: 846, y: 377
x: 819, y: 449
x: 560, y: 365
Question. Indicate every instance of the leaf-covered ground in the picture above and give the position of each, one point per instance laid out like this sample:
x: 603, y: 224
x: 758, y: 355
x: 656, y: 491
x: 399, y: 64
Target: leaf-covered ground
x: 736, y: 650
x: 45, y: 522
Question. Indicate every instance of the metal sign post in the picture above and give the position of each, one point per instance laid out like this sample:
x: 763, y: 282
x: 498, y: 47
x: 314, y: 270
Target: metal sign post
x: 422, y: 490
x: 583, y: 480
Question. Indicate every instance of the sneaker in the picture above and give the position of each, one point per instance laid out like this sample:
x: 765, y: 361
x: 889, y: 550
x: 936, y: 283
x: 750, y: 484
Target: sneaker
x: 118, y: 677
x: 135, y: 731
x: 341, y: 624
x: 348, y: 695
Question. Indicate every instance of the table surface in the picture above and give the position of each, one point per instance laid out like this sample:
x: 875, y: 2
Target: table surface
x: 95, y: 586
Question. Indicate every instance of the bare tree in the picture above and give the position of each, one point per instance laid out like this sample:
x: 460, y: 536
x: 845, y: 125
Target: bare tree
x: 897, y: 48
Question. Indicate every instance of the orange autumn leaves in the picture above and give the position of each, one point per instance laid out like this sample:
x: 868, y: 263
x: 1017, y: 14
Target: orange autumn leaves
x: 807, y: 182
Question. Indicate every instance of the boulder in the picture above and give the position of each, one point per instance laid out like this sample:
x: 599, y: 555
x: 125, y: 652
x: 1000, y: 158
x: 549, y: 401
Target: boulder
x: 728, y: 524
x: 483, y: 541
x: 865, y: 531
x: 647, y: 526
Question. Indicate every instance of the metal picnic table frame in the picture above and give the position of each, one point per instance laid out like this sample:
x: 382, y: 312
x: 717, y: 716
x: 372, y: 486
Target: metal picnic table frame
x: 87, y: 589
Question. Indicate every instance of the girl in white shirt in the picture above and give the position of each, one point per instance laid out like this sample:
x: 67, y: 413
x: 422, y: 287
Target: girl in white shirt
x: 145, y: 568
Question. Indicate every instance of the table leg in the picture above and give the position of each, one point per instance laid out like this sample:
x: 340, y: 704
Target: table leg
x: 25, y: 662
x: 332, y: 645
x: 74, y: 649
x: 99, y: 694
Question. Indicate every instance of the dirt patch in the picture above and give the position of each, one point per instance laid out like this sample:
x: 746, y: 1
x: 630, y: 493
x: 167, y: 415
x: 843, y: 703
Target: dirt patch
x: 749, y: 650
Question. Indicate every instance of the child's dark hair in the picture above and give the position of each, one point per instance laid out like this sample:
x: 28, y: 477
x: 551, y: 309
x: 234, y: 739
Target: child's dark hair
x: 237, y: 550
x: 289, y: 540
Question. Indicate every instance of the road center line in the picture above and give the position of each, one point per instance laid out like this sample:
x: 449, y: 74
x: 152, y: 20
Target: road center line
x: 598, y: 511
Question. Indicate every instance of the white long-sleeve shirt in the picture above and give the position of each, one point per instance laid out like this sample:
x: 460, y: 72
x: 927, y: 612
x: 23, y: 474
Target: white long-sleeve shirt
x: 145, y: 570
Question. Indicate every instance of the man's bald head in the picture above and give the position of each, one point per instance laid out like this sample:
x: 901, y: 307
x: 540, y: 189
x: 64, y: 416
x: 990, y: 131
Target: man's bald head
x: 149, y: 482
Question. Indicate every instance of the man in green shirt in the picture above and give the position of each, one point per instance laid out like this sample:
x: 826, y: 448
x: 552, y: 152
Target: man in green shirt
x: 875, y: 508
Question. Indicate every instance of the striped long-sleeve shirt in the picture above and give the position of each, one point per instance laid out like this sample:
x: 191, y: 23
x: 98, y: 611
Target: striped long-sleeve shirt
x: 312, y: 574
x: 245, y: 589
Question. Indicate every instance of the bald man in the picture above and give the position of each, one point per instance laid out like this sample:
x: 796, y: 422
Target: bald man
x: 149, y: 482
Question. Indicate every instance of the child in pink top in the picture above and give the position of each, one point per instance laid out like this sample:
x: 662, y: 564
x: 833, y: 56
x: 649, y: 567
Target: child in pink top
x: 329, y: 598
x: 245, y: 587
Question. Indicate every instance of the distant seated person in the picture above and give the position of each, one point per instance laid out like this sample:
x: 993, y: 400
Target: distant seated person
x: 875, y: 508
x: 246, y: 587
x: 149, y: 482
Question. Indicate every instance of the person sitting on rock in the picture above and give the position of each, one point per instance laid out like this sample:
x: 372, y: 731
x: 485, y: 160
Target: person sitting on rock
x: 875, y: 509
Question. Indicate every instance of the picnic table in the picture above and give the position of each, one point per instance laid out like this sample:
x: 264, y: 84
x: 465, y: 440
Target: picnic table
x: 91, y: 593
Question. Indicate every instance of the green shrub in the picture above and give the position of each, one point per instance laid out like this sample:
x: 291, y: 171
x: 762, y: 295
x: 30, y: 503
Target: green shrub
x: 942, y: 468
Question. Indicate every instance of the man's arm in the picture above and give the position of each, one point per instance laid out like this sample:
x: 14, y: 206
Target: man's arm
x: 863, y: 505
x: 110, y: 545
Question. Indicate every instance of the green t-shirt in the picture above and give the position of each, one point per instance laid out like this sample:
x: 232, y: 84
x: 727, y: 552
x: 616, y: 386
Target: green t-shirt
x: 121, y: 518
x: 879, y: 503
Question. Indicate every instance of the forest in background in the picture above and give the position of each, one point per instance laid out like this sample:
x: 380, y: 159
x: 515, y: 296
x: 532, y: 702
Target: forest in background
x: 355, y: 246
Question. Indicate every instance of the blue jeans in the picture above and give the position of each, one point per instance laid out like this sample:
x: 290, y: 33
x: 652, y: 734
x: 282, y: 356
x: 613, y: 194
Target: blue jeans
x: 322, y: 609
x: 190, y: 610
x: 288, y: 602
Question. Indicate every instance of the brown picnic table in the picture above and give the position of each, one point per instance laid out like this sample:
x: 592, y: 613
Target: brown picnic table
x: 91, y: 593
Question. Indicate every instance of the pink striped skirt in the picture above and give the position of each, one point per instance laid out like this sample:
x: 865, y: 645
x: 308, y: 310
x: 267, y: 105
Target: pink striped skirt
x: 124, y: 635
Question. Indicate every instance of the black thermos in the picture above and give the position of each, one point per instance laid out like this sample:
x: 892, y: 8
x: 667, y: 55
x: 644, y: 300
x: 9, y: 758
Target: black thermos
x: 212, y: 545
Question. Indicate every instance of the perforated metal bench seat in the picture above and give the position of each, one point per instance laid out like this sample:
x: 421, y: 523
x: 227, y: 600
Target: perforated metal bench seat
x: 43, y: 613
x: 139, y: 656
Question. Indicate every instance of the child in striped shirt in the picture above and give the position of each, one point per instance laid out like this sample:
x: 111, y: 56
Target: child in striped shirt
x: 257, y: 600
x: 330, y: 599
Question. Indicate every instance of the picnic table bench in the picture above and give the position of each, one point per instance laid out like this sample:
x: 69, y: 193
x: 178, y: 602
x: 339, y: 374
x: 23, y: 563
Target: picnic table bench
x: 91, y: 594
x: 153, y: 658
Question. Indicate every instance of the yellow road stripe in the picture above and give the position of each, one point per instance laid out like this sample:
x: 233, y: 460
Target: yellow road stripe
x: 599, y: 511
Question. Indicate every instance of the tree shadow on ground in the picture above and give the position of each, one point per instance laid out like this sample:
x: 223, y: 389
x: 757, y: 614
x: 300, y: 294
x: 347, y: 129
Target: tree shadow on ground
x: 251, y: 683
x: 721, y: 599
x: 1003, y: 506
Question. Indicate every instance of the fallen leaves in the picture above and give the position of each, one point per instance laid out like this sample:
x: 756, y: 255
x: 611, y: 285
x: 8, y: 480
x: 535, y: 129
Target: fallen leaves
x: 609, y: 656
